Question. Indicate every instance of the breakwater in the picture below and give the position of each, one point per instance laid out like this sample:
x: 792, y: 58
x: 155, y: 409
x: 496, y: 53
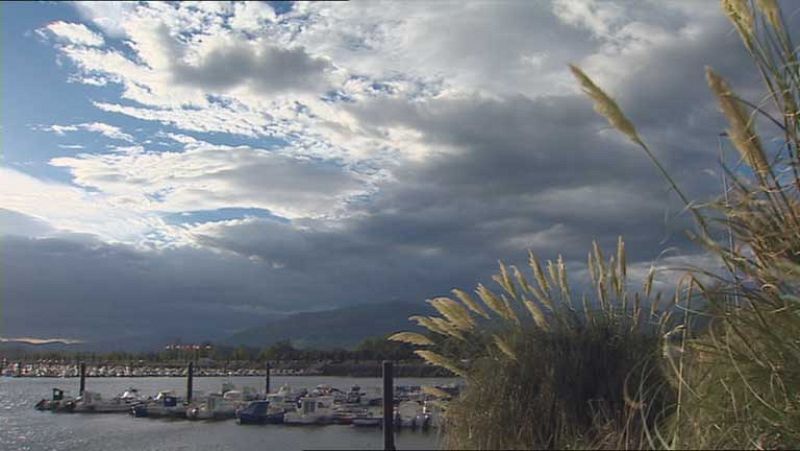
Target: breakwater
x: 44, y: 368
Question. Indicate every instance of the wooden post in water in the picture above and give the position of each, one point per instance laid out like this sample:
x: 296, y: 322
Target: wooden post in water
x: 388, y: 407
x: 83, y: 378
x: 267, y: 380
x: 189, y: 375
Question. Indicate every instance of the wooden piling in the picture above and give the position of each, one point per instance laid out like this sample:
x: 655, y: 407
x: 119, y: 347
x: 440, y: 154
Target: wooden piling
x: 267, y: 379
x: 83, y: 378
x: 388, y: 407
x: 189, y: 381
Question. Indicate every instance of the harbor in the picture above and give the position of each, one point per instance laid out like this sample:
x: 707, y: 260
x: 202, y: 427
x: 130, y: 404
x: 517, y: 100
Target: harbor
x: 266, y: 402
x: 23, y: 427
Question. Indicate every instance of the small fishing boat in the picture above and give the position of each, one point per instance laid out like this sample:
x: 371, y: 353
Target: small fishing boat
x: 369, y: 417
x: 91, y: 402
x: 285, y: 399
x: 410, y: 414
x: 165, y: 404
x: 57, y: 403
x: 214, y: 407
x: 312, y: 410
x: 260, y: 412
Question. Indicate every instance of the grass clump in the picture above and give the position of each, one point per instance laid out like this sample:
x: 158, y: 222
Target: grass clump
x: 544, y: 370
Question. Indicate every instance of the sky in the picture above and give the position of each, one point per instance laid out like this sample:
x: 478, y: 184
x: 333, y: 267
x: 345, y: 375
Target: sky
x: 189, y: 170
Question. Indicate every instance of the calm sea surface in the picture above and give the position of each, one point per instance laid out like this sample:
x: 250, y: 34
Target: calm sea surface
x: 23, y: 428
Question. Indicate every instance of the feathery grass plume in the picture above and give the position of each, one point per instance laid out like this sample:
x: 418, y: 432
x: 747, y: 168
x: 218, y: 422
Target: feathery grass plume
x: 593, y: 275
x: 504, y: 280
x: 471, y: 304
x: 543, y: 291
x: 510, y: 315
x: 536, y: 313
x: 451, y: 329
x: 648, y: 281
x: 772, y: 11
x: 739, y: 13
x: 523, y: 282
x: 436, y: 392
x: 552, y: 271
x: 606, y: 106
x: 598, y: 258
x: 429, y: 324
x: 563, y: 283
x: 492, y: 301
x: 411, y: 338
x: 621, y: 260
x: 536, y: 267
x: 455, y: 313
x: 741, y: 130
x: 442, y: 361
x: 503, y: 346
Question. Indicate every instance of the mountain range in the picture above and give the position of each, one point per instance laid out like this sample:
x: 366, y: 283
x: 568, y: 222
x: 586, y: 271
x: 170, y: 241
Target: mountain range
x: 342, y: 327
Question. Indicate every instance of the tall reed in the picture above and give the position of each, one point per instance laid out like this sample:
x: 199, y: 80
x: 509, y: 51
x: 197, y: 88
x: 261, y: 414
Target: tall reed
x: 739, y: 380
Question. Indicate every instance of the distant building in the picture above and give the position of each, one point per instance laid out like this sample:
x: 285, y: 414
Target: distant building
x: 188, y: 347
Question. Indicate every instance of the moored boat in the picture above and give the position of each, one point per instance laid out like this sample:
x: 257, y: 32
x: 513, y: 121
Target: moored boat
x: 260, y: 412
x: 367, y: 417
x: 59, y: 402
x: 214, y: 407
x: 411, y: 414
x: 91, y: 402
x: 165, y: 404
x: 312, y: 410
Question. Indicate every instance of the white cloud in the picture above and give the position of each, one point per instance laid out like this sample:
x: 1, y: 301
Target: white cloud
x: 73, y: 33
x: 369, y: 93
x: 39, y: 341
x: 107, y: 130
x: 73, y: 209
x: 207, y: 177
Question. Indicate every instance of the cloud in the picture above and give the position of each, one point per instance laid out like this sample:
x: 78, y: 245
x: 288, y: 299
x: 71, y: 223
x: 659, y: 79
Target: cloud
x: 107, y: 130
x: 63, y: 207
x: 72, y: 33
x: 207, y: 177
x: 399, y: 149
x: 260, y: 66
x: 39, y: 341
x: 109, y: 16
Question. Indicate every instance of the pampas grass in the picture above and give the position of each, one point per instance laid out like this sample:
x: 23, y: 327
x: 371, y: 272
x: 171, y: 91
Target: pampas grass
x: 526, y: 354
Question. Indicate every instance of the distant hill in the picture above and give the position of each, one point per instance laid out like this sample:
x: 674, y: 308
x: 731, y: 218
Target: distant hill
x: 342, y: 327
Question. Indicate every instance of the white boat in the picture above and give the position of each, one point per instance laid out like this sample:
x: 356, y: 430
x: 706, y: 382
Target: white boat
x: 312, y: 410
x: 433, y: 411
x: 284, y: 399
x: 91, y: 402
x: 411, y: 414
x: 165, y: 404
x: 219, y: 406
x: 368, y: 417
x: 214, y: 407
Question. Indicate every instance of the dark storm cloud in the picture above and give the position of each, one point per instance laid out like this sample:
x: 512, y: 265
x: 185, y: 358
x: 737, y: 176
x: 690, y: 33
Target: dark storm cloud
x: 265, y: 68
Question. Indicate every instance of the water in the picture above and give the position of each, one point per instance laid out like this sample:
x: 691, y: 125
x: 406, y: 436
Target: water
x: 23, y: 428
